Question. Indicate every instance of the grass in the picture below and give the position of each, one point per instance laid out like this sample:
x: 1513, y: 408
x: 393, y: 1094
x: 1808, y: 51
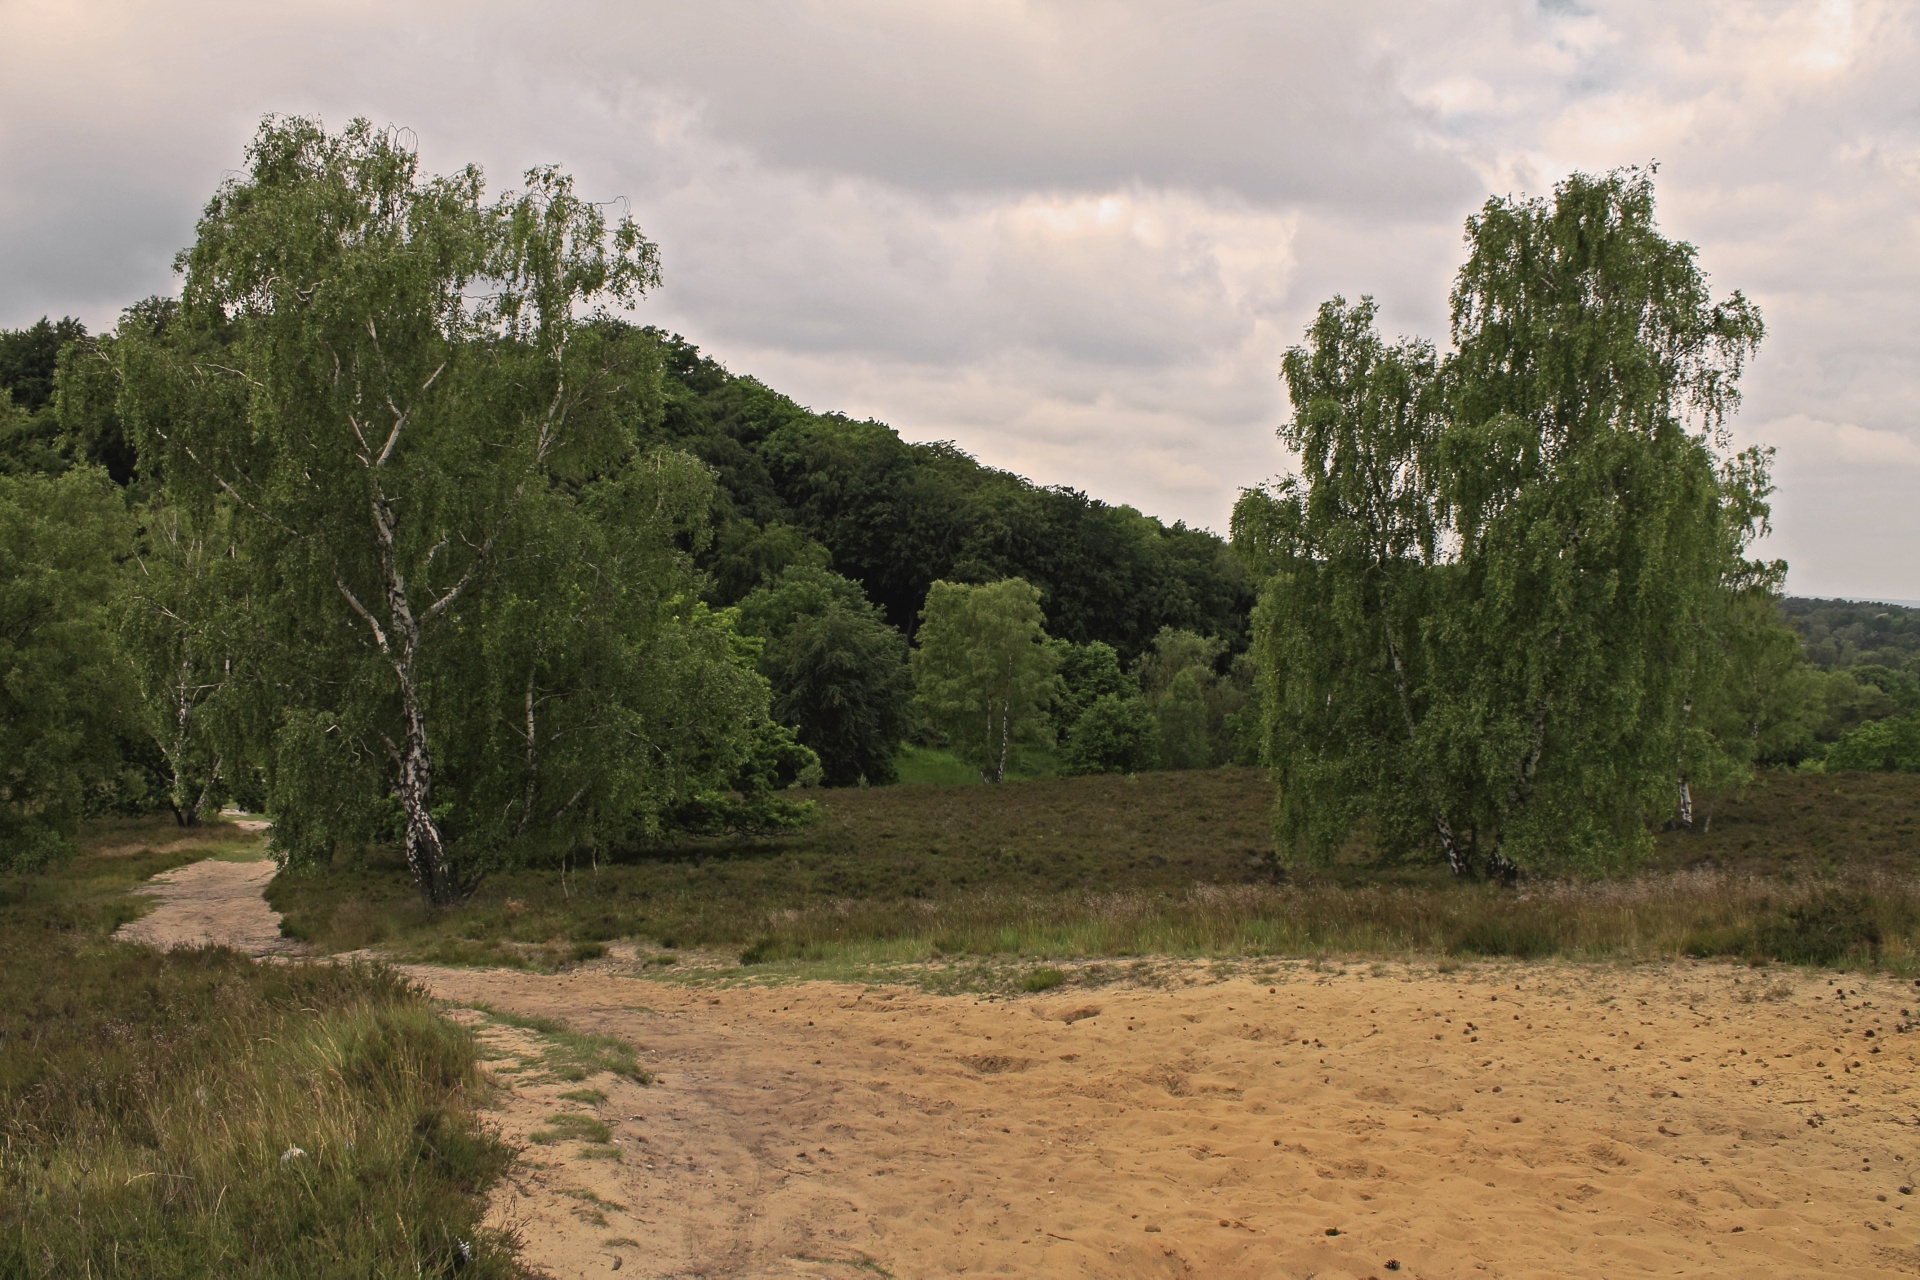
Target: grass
x: 931, y: 766
x: 196, y: 1113
x: 1053, y: 874
x: 574, y: 1056
x: 569, y: 1127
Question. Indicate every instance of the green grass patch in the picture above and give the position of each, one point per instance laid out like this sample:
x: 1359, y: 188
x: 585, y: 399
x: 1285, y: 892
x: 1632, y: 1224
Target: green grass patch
x: 195, y: 1113
x: 574, y: 1056
x: 569, y: 1127
x: 934, y: 767
x: 1045, y: 978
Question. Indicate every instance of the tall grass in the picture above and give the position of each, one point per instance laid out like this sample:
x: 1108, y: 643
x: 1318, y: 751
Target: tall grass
x: 1869, y: 919
x: 198, y: 1114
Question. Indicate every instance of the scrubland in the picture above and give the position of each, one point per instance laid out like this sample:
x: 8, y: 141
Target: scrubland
x: 195, y: 1112
x: 1797, y: 868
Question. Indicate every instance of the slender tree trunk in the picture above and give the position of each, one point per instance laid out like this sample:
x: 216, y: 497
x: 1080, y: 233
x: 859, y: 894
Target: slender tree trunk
x: 183, y: 814
x: 533, y: 762
x: 1684, y: 814
x: 426, y: 851
x: 1458, y: 858
x: 1006, y: 740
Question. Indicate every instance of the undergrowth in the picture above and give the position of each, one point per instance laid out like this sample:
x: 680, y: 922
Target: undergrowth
x: 1799, y: 868
x: 196, y: 1113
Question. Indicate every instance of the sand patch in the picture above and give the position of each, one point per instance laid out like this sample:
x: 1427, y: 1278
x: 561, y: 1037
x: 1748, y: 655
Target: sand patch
x: 212, y: 902
x: 1499, y: 1120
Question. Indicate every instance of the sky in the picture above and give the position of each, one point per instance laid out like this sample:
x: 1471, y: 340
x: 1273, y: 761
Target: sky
x: 1074, y: 238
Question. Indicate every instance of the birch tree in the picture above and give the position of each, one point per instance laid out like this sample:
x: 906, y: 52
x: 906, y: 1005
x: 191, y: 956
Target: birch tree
x: 412, y: 403
x: 984, y: 673
x: 1492, y: 588
x: 183, y: 601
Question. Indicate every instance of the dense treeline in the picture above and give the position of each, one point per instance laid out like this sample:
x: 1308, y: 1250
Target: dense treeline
x: 391, y: 525
x: 801, y: 487
x: 1837, y: 634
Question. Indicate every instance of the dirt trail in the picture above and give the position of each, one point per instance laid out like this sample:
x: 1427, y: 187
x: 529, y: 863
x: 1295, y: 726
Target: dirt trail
x: 1501, y: 1120
x: 212, y: 902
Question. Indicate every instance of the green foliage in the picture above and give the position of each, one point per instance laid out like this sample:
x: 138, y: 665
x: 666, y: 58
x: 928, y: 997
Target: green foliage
x: 838, y: 671
x: 797, y: 592
x: 896, y: 517
x: 746, y: 556
x: 475, y: 626
x: 30, y: 357
x: 1088, y: 672
x: 1199, y: 711
x: 183, y: 625
x: 1114, y: 734
x: 35, y: 436
x: 194, y: 1113
x: 984, y: 674
x: 66, y: 698
x: 1842, y: 634
x: 1501, y: 579
x: 1889, y: 745
x: 841, y: 676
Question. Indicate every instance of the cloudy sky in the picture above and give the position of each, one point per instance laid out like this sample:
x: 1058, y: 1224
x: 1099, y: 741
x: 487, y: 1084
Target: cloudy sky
x: 1073, y: 237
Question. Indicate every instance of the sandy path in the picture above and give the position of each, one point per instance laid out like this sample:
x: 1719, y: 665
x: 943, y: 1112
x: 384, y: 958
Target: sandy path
x: 212, y: 902
x: 1500, y: 1120
x: 1504, y: 1120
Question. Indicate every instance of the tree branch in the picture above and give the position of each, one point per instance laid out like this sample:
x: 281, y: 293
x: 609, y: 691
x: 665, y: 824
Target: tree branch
x: 379, y: 636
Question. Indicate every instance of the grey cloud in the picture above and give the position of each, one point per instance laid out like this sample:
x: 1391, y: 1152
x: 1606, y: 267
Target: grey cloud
x: 1272, y: 101
x: 896, y: 210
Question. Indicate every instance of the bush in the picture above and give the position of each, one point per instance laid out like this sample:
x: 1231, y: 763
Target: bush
x: 1114, y: 735
x: 1888, y: 746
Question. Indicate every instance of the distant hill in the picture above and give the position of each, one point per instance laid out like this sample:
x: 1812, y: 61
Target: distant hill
x: 1838, y: 634
x: 896, y: 516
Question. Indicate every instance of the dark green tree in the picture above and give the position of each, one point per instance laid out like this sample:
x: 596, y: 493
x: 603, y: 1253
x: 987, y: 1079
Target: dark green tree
x: 839, y: 672
x: 1483, y: 616
x: 1115, y: 733
x: 1088, y: 672
x: 841, y: 676
x: 66, y: 697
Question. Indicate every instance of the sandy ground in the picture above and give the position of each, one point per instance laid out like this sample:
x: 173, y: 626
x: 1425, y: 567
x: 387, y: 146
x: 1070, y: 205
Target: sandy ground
x: 212, y: 901
x: 1499, y: 1120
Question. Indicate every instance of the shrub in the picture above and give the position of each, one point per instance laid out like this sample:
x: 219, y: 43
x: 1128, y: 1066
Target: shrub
x: 1114, y: 735
x: 1890, y: 746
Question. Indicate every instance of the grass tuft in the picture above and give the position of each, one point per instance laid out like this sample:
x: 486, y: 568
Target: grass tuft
x: 196, y: 1113
x: 572, y: 1055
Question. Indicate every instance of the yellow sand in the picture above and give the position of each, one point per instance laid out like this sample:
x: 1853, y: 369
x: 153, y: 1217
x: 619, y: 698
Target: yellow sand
x: 1503, y: 1120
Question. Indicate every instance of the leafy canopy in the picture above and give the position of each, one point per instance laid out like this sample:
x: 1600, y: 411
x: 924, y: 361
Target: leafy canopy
x: 1500, y: 580
x: 478, y: 630
x: 984, y: 674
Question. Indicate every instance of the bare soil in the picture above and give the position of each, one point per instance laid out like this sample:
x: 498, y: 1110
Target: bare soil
x: 1495, y: 1120
x: 216, y: 902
